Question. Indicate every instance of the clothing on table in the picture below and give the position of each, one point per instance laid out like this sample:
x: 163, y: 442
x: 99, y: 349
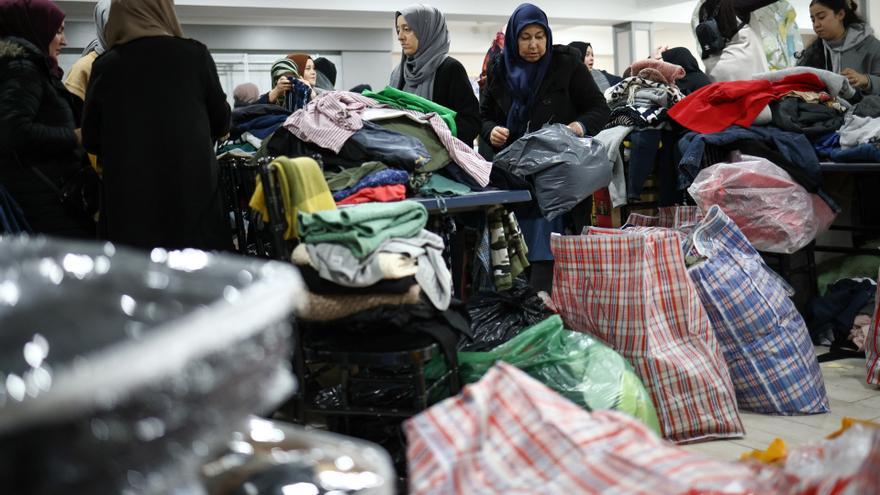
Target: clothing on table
x: 318, y: 285
x: 438, y: 185
x: 396, y: 98
x: 669, y: 73
x: 509, y: 252
x: 835, y: 84
x: 376, y: 194
x: 627, y: 91
x: 324, y: 307
x: 332, y: 118
x: 363, y: 228
x: 303, y: 190
x: 346, y: 178
x: 859, y: 130
x: 260, y: 127
x: 694, y: 78
x: 813, y: 119
x: 374, y: 143
x: 868, y: 107
x: 336, y: 264
x: 801, y: 161
x: 425, y: 134
x: 378, y: 178
x: 639, y: 117
x: 721, y: 105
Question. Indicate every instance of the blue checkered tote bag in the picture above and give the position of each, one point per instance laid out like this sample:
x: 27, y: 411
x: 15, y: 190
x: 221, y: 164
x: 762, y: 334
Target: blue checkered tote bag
x: 764, y: 339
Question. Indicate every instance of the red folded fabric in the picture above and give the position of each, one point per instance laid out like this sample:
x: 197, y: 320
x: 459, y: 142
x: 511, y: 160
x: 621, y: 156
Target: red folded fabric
x: 718, y: 106
x: 384, y: 194
x: 670, y: 72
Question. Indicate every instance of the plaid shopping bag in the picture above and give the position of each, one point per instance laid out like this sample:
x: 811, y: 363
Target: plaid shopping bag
x: 633, y: 292
x: 669, y: 217
x: 765, y: 341
x: 872, y: 343
x: 509, y: 434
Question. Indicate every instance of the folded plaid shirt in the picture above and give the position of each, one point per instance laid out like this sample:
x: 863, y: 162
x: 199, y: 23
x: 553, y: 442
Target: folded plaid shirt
x: 872, y: 344
x: 632, y: 291
x: 764, y: 338
x: 510, y: 434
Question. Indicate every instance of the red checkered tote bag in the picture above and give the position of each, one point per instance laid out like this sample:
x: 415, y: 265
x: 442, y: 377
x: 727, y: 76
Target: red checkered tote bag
x: 669, y: 217
x: 872, y: 343
x: 509, y: 434
x: 633, y: 292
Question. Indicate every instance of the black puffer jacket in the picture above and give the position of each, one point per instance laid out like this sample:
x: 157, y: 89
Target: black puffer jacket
x: 36, y: 130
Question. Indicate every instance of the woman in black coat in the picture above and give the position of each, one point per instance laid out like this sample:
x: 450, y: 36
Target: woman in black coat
x: 153, y: 110
x: 428, y: 71
x: 37, y: 128
x: 531, y: 84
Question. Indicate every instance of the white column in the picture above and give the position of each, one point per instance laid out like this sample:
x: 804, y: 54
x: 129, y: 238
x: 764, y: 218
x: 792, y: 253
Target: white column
x: 632, y: 41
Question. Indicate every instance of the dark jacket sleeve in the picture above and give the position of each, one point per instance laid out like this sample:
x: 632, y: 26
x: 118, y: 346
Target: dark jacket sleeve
x: 93, y: 109
x: 21, y: 95
x: 461, y: 98
x: 490, y: 113
x: 218, y: 108
x: 589, y: 102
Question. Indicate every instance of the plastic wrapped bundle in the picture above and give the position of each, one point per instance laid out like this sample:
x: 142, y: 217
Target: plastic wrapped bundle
x: 775, y: 213
x: 123, y: 369
x: 270, y: 457
x: 575, y: 365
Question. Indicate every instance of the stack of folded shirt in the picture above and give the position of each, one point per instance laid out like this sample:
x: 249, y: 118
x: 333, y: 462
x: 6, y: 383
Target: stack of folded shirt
x: 380, y: 186
x: 359, y: 258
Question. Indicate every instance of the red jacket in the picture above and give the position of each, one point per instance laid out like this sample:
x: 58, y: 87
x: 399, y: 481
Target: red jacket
x: 718, y: 106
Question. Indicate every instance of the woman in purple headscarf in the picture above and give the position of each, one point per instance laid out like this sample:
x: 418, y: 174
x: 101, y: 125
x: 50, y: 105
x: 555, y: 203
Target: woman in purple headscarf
x: 534, y: 82
x: 39, y: 142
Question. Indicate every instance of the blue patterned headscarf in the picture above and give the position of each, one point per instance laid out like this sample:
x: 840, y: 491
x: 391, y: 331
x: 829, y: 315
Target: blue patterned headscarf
x: 524, y: 78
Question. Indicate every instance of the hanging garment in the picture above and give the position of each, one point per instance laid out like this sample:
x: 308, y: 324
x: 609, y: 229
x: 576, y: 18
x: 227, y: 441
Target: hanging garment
x: 303, y: 190
x: 510, y: 434
x: 718, y: 106
x: 378, y: 178
x: 612, y: 139
x: 333, y: 117
x: 509, y: 253
x: 765, y: 340
x: 653, y: 150
x: 376, y: 194
x: 633, y: 292
x: 872, y: 344
x: 363, y: 228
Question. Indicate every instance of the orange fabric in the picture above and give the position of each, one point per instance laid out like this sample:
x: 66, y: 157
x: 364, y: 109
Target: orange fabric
x: 384, y: 194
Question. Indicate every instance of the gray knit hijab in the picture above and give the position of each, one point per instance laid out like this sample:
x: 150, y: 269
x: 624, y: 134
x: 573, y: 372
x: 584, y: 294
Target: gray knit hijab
x: 102, y: 12
x: 429, y: 25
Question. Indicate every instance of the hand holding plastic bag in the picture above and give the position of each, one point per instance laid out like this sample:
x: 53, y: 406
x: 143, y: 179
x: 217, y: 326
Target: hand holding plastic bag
x: 774, y: 212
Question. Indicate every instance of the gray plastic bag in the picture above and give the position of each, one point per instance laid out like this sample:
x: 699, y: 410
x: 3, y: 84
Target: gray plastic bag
x: 566, y: 169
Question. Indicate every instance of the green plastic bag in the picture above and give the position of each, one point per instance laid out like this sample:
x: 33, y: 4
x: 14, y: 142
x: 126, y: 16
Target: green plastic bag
x: 576, y: 365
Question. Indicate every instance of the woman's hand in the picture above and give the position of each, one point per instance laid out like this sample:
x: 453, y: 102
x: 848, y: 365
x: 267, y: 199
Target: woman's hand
x: 577, y: 128
x: 282, y: 86
x: 499, y: 136
x: 857, y: 79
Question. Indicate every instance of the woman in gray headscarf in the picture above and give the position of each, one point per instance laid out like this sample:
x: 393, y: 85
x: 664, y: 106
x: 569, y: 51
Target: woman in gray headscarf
x: 78, y: 77
x: 428, y: 71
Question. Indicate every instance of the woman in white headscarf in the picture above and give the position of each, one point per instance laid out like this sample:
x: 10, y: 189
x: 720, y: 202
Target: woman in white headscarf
x: 78, y: 77
x: 427, y: 70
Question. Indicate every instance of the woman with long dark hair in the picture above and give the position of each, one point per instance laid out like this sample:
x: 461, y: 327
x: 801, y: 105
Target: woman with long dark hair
x: 845, y: 45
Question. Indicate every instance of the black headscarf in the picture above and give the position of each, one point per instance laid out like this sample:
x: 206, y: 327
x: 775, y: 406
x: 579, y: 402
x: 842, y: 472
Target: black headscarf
x: 694, y: 78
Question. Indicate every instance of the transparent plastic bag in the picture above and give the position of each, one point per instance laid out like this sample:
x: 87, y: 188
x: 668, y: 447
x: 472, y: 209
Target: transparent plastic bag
x: 577, y: 366
x: 774, y: 212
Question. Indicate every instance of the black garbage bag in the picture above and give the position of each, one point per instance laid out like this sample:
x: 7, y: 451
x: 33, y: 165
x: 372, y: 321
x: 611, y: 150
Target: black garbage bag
x: 497, y: 317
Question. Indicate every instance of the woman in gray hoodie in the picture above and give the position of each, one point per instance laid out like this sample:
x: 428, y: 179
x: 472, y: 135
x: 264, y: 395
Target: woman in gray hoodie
x: 846, y: 45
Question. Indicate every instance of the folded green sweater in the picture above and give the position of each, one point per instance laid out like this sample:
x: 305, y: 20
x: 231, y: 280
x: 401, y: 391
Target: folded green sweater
x: 363, y: 228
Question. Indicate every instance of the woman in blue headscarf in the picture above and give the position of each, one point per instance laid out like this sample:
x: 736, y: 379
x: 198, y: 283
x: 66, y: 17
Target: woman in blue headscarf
x: 534, y: 82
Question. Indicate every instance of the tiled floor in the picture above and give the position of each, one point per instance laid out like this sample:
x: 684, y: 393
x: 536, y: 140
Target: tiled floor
x: 849, y: 396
